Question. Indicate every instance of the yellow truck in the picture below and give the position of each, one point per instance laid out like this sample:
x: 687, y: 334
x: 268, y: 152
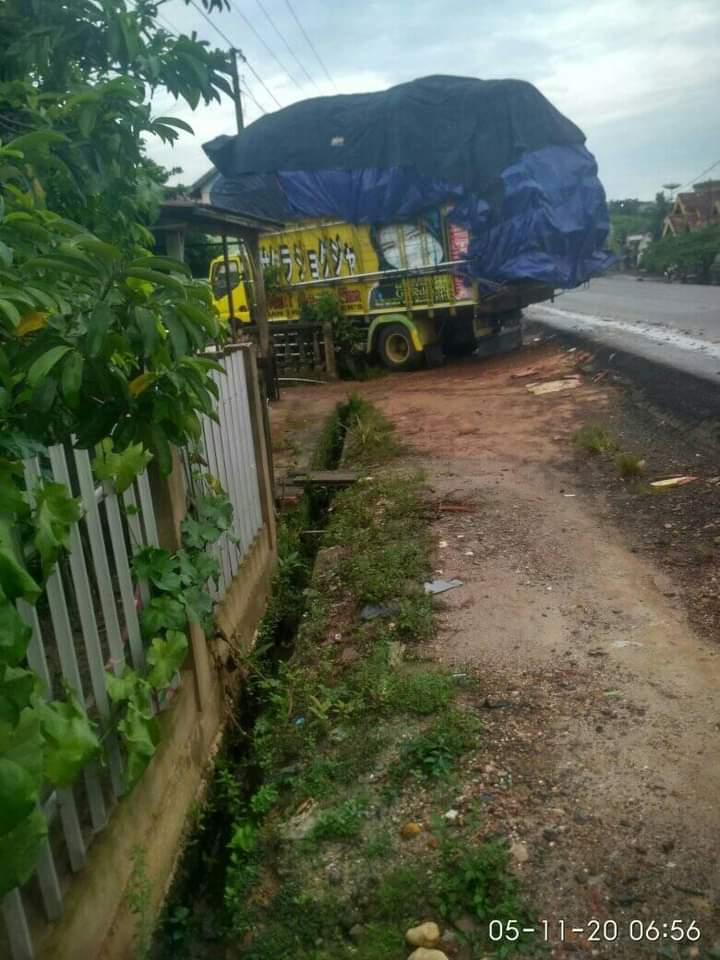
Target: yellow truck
x: 401, y: 284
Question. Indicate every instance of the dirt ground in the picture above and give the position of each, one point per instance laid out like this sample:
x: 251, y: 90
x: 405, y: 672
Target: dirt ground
x: 587, y: 615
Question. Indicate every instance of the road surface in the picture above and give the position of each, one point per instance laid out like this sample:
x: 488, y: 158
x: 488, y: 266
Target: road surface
x: 676, y: 324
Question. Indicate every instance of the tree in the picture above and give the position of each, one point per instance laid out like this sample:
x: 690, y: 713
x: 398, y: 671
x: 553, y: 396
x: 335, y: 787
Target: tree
x: 663, y: 206
x: 98, y: 340
x: 84, y: 71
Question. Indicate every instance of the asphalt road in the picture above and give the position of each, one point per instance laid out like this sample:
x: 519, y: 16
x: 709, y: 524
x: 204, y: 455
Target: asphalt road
x: 671, y: 323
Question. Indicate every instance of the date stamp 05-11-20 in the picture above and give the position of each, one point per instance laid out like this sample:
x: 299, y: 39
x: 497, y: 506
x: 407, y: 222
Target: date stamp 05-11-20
x: 596, y: 931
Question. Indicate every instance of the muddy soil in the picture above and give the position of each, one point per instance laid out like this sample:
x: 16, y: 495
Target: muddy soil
x: 602, y: 721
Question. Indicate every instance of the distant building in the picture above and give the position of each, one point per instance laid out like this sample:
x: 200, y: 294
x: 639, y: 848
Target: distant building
x: 695, y: 210
x: 635, y: 246
x: 200, y: 190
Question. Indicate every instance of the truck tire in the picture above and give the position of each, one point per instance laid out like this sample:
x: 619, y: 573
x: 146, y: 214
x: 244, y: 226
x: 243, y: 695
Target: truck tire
x: 396, y: 349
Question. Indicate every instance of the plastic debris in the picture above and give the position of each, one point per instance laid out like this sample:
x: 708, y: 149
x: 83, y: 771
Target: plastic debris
x: 442, y: 544
x: 371, y: 611
x: 672, y: 482
x: 441, y: 586
x: 554, y: 386
x: 526, y: 372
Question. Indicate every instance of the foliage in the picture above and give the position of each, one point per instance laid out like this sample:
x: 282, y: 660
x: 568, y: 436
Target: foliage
x: 341, y: 822
x: 692, y: 252
x: 80, y: 75
x: 349, y: 339
x: 479, y: 882
x: 594, y: 439
x: 432, y: 754
x: 629, y: 465
x: 98, y: 338
x: 632, y: 216
x: 178, y: 597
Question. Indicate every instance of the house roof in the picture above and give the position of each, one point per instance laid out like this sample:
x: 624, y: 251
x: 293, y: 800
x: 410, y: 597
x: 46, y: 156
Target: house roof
x: 700, y: 204
x: 203, y: 181
x: 186, y: 213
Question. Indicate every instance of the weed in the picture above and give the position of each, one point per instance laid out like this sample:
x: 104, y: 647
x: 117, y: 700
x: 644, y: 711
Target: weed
x: 629, y: 465
x: 421, y: 694
x: 341, y: 822
x: 379, y: 845
x: 401, y: 896
x: 595, y: 440
x: 432, y: 754
x: 264, y: 799
x: 138, y: 897
x: 380, y: 941
x: 480, y: 882
x: 369, y: 434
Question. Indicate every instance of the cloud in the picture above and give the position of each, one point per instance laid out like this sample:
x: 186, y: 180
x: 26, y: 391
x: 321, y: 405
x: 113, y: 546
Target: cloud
x: 640, y: 77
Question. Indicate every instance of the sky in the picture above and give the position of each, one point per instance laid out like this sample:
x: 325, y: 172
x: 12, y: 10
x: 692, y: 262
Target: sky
x: 641, y: 78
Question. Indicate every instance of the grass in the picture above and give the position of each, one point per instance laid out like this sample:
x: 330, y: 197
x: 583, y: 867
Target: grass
x: 370, y: 436
x: 594, y: 439
x: 342, y: 822
x: 325, y: 723
x: 629, y: 465
x: 431, y: 755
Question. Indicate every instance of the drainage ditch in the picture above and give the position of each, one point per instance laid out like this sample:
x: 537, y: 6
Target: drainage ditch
x: 192, y: 923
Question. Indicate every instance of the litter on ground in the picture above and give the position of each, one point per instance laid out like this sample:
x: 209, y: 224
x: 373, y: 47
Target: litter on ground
x: 554, y: 386
x: 673, y: 482
x: 441, y: 586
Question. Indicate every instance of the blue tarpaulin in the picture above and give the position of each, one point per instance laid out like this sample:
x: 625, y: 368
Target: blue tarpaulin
x: 515, y: 171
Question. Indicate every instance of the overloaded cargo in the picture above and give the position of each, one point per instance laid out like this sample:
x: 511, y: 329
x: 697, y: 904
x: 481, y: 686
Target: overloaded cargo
x: 438, y: 207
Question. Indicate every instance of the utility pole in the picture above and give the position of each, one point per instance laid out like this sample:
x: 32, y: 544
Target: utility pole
x: 236, y: 89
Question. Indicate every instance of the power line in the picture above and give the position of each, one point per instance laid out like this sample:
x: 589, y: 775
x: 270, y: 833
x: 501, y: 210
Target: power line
x: 282, y: 37
x: 215, y: 27
x: 259, y: 79
x: 310, y: 43
x: 695, y: 179
x: 269, y: 49
x: 242, y: 56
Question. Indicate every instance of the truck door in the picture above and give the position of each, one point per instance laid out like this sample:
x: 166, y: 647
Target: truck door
x: 234, y: 278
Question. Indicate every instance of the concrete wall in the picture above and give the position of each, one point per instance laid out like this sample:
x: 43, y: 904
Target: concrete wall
x: 97, y: 921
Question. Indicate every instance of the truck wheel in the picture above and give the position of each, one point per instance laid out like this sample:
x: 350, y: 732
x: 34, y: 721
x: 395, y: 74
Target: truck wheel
x: 396, y: 349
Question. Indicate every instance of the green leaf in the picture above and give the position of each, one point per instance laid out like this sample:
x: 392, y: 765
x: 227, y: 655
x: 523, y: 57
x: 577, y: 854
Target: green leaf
x: 70, y: 740
x: 199, y: 605
x: 157, y: 566
x: 6, y: 255
x: 22, y: 741
x: 197, y: 568
x: 166, y: 264
x: 44, y: 364
x: 18, y: 688
x: 178, y: 336
x: 10, y: 311
x: 120, y: 467
x: 18, y: 794
x: 72, y: 378
x: 15, y: 581
x: 148, y: 326
x: 165, y: 657
x: 174, y: 122
x: 12, y: 495
x: 97, y: 327
x: 161, y: 614
x: 14, y: 633
x: 19, y: 850
x: 140, y: 735
x: 159, y: 279
x: 37, y: 140
x: 55, y: 513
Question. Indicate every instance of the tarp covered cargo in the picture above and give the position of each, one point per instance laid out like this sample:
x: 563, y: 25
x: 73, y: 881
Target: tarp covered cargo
x: 514, y: 169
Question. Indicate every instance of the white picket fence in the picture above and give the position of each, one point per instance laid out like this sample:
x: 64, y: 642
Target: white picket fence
x: 90, y: 624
